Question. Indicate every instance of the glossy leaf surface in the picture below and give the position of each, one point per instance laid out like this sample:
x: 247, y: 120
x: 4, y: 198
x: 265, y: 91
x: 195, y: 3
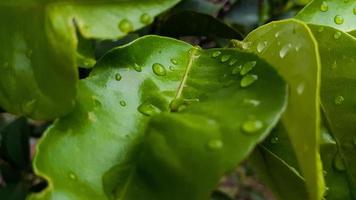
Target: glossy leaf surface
x: 160, y: 119
x: 39, y: 75
x: 285, y: 44
x: 340, y: 14
x: 338, y: 99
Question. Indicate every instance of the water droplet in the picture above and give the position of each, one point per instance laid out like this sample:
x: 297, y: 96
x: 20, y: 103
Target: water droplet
x: 276, y: 35
x: 339, y: 164
x: 236, y: 70
x: 96, y: 101
x: 216, y: 54
x: 246, y: 45
x: 29, y: 107
x: 195, y: 51
x: 324, y: 6
x: 274, y: 140
x: 125, y: 26
x: 283, y: 52
x: 118, y: 77
x: 338, y: 19
x: 252, y: 126
x: 123, y: 103
x: 321, y: 29
x: 177, y: 105
x: 252, y: 102
x: 171, y: 68
x: 92, y: 117
x: 72, y: 176
x: 145, y: 18
x: 325, y: 172
x: 300, y: 88
x: 261, y: 46
x: 215, y: 144
x: 232, y: 62
x: 159, y: 69
x: 148, y: 109
x: 174, y: 61
x: 354, y: 10
x: 248, y: 80
x: 247, y: 67
x: 339, y: 100
x: 225, y: 58
x: 337, y: 35
x: 137, y: 68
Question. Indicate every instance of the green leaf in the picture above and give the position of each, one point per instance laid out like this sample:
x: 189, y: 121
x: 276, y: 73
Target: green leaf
x: 337, y: 51
x: 340, y: 14
x: 39, y: 75
x: 285, y: 44
x: 282, y: 178
x: 160, y: 119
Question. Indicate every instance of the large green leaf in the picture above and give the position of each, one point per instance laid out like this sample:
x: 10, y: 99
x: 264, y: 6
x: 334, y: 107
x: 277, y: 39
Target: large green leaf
x: 160, y: 119
x: 337, y: 51
x: 38, y: 60
x: 340, y: 14
x: 285, y: 44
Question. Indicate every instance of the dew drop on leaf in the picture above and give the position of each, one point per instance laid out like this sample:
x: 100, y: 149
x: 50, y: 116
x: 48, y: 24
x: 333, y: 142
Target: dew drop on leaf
x: 276, y: 35
x: 174, y: 61
x: 125, y: 26
x: 321, y: 29
x: 232, y: 62
x: 339, y: 100
x: 274, y: 140
x: 225, y: 58
x: 354, y: 10
x: 324, y: 6
x: 72, y: 176
x: 159, y: 69
x: 337, y: 35
x: 215, y: 144
x: 300, y: 88
x: 118, y: 77
x: 252, y: 126
x: 29, y: 107
x: 252, y: 102
x: 171, y: 68
x: 261, y: 46
x: 339, y: 164
x: 96, y: 101
x: 247, y: 67
x: 248, y: 80
x: 283, y: 52
x: 137, y: 68
x: 216, y: 54
x: 338, y: 19
x: 236, y: 70
x: 176, y: 104
x: 123, y: 103
x: 145, y: 18
x: 148, y: 109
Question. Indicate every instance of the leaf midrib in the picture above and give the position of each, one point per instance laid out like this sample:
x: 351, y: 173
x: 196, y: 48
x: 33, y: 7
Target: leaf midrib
x: 192, y: 57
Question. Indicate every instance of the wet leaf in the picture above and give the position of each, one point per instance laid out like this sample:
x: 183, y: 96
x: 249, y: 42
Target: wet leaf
x: 39, y: 75
x: 159, y: 119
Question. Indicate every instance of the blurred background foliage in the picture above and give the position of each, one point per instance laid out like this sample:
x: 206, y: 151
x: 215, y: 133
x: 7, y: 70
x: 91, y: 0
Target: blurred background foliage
x: 208, y: 23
